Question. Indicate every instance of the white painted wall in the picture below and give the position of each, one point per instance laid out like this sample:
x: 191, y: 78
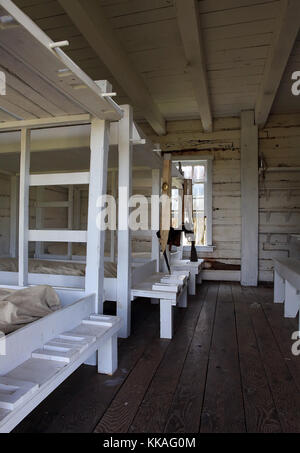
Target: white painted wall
x: 280, y: 144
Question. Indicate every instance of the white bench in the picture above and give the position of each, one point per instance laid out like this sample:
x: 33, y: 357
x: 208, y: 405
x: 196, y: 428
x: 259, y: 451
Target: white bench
x: 40, y: 356
x: 287, y: 285
x: 194, y: 268
x: 169, y: 294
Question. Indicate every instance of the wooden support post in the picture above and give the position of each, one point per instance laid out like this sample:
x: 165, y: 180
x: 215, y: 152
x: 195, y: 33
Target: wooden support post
x: 279, y: 288
x: 113, y: 233
x: 155, y: 214
x: 94, y: 280
x: 208, y: 203
x: 249, y: 200
x: 24, y: 207
x: 124, y: 234
x: 70, y: 217
x: 13, y: 216
x: 77, y: 209
x: 39, y: 219
x: 166, y: 201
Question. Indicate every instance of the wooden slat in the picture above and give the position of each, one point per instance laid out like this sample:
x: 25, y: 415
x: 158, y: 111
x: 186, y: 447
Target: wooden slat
x: 223, y: 410
x: 286, y: 397
x: 190, y: 28
x: 153, y: 412
x: 33, y: 49
x: 260, y: 411
x: 286, y: 32
x: 98, y: 32
x: 185, y: 413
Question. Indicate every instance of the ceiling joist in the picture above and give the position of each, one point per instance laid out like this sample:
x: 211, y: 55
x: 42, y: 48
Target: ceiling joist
x: 188, y: 17
x: 283, y: 41
x: 95, y: 27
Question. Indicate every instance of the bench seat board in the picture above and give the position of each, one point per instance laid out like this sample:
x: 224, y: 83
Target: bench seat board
x: 46, y: 374
x: 289, y: 269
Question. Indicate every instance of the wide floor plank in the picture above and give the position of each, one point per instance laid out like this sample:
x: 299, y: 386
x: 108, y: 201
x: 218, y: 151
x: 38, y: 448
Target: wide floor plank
x: 153, y: 412
x: 223, y: 409
x: 185, y: 412
x: 260, y: 410
x: 229, y: 368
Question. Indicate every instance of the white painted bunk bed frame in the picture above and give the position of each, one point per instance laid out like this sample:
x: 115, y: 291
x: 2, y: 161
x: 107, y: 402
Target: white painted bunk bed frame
x: 123, y: 135
x: 40, y: 356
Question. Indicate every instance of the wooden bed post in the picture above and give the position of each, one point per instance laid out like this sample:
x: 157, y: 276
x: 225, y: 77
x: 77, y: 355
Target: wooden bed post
x: 99, y: 144
x: 155, y: 210
x: 24, y: 207
x: 124, y: 233
x: 13, y: 216
x: 70, y: 217
x: 39, y: 247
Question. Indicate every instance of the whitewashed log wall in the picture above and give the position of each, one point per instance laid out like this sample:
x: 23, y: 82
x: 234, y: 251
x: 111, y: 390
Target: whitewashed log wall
x: 279, y: 195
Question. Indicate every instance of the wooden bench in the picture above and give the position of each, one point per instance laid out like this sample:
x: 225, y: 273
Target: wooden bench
x: 193, y: 268
x: 169, y: 295
x: 287, y: 285
x: 39, y: 357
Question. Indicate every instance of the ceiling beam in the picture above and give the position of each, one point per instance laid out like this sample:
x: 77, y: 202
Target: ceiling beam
x: 95, y: 27
x: 285, y: 34
x: 188, y: 17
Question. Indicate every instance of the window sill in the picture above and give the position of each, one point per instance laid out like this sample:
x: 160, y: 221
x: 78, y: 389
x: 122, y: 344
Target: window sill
x: 201, y: 248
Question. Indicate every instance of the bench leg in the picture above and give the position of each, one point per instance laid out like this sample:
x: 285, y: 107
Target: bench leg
x: 108, y: 356
x: 183, y: 299
x: 279, y: 288
x: 166, y: 319
x: 292, y: 301
x: 192, y: 285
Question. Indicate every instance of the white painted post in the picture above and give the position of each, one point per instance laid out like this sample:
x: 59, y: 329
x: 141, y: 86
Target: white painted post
x: 279, y: 288
x: 39, y: 219
x: 209, y: 202
x: 70, y: 217
x: 13, y: 216
x: 77, y: 206
x: 166, y: 319
x: 155, y: 214
x: 292, y: 301
x: 99, y: 144
x: 24, y: 207
x: 124, y: 233
x: 113, y: 233
x: 108, y: 356
x: 249, y: 200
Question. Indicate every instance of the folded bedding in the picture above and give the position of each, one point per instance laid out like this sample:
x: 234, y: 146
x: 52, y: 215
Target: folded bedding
x: 55, y: 267
x: 21, y: 307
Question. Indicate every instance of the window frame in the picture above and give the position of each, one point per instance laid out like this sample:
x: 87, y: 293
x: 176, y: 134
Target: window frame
x: 206, y: 161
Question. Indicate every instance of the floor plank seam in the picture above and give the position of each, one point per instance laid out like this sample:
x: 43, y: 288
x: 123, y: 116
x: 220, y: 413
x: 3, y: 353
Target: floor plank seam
x: 264, y: 364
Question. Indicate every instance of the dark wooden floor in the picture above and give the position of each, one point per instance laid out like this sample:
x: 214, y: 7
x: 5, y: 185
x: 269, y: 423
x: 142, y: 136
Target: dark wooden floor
x: 229, y: 368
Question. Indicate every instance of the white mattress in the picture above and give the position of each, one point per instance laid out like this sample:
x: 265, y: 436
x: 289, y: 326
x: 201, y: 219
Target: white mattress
x: 55, y: 267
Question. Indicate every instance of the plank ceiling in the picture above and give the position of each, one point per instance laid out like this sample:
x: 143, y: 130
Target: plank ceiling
x: 237, y: 36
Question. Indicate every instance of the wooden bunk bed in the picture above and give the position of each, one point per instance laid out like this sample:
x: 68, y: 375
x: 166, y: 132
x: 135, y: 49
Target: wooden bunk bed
x: 45, y: 89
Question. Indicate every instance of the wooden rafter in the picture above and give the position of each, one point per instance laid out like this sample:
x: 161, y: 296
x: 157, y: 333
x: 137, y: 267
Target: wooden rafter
x: 92, y: 23
x: 188, y: 18
x: 286, y: 32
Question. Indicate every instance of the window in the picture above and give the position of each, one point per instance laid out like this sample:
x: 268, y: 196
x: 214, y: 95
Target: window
x: 200, y: 172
